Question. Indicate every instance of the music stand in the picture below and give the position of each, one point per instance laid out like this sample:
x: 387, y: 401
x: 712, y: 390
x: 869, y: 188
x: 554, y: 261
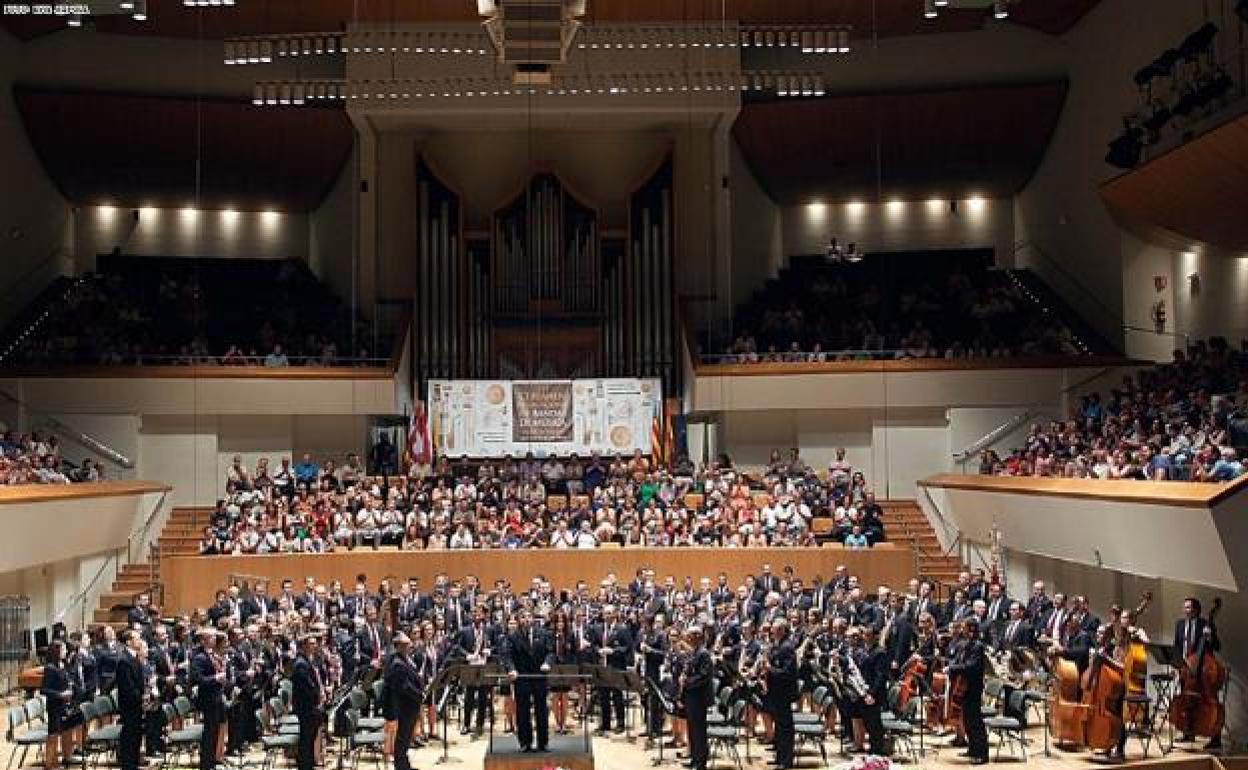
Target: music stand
x: 447, y: 678
x: 634, y: 683
x: 473, y: 675
x: 1163, y: 683
x: 572, y: 672
x: 668, y: 707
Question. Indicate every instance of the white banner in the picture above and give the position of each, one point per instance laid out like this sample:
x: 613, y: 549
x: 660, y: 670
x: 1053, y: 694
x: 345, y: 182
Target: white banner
x: 493, y: 418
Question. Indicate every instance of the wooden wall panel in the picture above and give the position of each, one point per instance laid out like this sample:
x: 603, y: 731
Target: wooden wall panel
x: 190, y: 581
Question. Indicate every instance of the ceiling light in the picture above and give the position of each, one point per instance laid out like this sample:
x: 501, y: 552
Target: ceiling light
x: 74, y: 20
x: 1001, y: 9
x: 929, y: 9
x: 127, y: 5
x: 842, y: 40
x: 942, y: 3
x: 140, y: 10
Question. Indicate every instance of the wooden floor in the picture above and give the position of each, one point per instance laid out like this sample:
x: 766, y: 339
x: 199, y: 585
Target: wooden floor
x: 617, y: 752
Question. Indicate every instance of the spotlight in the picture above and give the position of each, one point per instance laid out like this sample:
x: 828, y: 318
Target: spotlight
x: 1001, y: 9
x: 942, y: 3
x: 74, y: 20
x: 126, y: 5
x: 140, y: 10
x: 929, y: 9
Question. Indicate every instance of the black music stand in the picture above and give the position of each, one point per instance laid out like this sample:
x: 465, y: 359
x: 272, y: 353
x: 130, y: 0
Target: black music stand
x: 473, y: 675
x: 669, y: 708
x: 572, y: 672
x: 446, y: 679
x: 1164, y: 685
x: 634, y: 683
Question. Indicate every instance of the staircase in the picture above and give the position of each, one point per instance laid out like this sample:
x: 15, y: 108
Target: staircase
x: 906, y: 525
x: 180, y: 537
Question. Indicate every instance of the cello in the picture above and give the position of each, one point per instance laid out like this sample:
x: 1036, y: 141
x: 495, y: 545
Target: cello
x: 1197, y: 709
x: 1068, y: 716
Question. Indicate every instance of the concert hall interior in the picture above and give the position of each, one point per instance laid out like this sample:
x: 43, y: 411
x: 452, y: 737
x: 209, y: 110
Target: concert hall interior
x: 535, y: 384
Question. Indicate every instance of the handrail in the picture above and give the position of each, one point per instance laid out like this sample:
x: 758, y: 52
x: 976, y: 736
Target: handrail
x: 143, y: 529
x: 77, y: 436
x: 992, y: 436
x: 80, y: 598
x: 1109, y: 312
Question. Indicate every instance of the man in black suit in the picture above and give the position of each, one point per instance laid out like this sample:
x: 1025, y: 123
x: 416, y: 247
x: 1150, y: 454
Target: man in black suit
x: 207, y: 675
x: 1053, y: 622
x: 873, y: 663
x: 925, y: 602
x: 527, y: 656
x: 998, y: 608
x: 371, y: 639
x: 307, y: 699
x: 695, y: 691
x: 405, y: 691
x: 782, y: 691
x: 476, y: 642
x: 1015, y: 633
x: 969, y: 665
x: 1192, y: 634
x: 130, y: 684
x: 1074, y: 643
x: 766, y: 582
x: 900, y: 640
x: 1039, y: 604
x: 653, y: 647
x: 139, y: 616
x: 614, y: 642
x: 258, y: 606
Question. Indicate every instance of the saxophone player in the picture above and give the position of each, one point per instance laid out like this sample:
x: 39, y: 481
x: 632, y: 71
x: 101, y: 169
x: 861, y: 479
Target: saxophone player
x: 654, y: 648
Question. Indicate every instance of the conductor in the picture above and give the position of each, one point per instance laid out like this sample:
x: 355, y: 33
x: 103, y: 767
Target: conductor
x: 695, y: 691
x: 526, y: 656
x: 404, y: 694
x: 307, y: 700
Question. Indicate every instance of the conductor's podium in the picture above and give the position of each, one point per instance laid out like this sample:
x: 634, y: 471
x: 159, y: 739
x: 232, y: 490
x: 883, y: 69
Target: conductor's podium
x: 573, y: 752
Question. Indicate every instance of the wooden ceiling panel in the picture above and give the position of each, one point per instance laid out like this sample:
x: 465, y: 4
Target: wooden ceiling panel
x: 912, y: 146
x: 1196, y: 192
x: 143, y: 150
x: 889, y: 18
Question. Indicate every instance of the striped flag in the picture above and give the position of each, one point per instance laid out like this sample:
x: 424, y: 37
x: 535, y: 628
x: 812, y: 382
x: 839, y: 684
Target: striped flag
x: 657, y: 457
x: 419, y: 451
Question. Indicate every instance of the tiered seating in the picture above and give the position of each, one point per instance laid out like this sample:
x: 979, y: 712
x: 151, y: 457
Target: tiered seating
x: 901, y: 305
x: 143, y: 310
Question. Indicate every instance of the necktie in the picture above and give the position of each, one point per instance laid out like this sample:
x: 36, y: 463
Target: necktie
x: 1013, y: 629
x: 1188, y: 644
x: 376, y: 642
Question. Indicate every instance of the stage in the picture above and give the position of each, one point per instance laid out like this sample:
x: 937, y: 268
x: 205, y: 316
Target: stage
x: 565, y: 751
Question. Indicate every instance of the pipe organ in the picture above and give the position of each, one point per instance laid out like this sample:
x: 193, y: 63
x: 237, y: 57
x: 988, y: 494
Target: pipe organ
x: 438, y: 315
x: 545, y: 292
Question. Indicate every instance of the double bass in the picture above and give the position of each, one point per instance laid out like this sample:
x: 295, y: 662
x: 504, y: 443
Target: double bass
x: 1103, y: 691
x: 1068, y: 715
x: 1198, y: 709
x: 1135, y: 663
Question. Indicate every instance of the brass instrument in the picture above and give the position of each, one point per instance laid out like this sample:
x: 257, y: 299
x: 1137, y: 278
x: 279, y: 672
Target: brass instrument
x: 856, y: 687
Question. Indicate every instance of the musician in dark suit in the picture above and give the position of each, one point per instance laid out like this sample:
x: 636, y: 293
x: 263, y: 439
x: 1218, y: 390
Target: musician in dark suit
x: 207, y: 676
x: 899, y: 641
x: 695, y: 691
x: 1192, y: 634
x: 405, y: 691
x: 614, y: 642
x: 139, y: 616
x: 782, y: 691
x: 258, y: 606
x: 57, y: 689
x: 131, y: 685
x: 874, y: 664
x: 969, y: 665
x: 1039, y: 605
x: 1015, y: 633
x: 476, y: 642
x: 527, y: 654
x: 1074, y: 644
x: 307, y: 699
x: 653, y: 647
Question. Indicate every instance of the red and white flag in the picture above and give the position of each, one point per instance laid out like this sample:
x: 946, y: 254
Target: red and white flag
x: 419, y: 450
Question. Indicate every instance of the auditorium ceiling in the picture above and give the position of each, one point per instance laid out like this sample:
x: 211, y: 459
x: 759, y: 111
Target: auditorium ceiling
x: 984, y: 141
x: 888, y: 18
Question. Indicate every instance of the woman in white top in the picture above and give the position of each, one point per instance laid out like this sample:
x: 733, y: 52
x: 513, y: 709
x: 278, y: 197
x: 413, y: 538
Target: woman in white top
x: 462, y: 537
x: 585, y: 538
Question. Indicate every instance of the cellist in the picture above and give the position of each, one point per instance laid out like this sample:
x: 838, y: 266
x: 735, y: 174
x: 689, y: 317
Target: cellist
x: 1190, y: 633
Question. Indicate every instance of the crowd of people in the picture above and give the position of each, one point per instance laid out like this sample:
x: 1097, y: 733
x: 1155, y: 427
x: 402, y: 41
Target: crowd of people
x: 244, y: 313
x: 32, y: 458
x: 1184, y: 420
x: 820, y: 313
x: 550, y: 503
x: 823, y: 649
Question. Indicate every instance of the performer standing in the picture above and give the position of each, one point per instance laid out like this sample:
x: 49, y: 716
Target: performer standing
x: 526, y: 657
x: 695, y: 692
x: 654, y: 649
x: 615, y: 648
x: 307, y: 699
x: 131, y: 685
x: 404, y: 694
x: 208, y: 677
x: 781, y: 685
x: 969, y: 665
x: 58, y: 692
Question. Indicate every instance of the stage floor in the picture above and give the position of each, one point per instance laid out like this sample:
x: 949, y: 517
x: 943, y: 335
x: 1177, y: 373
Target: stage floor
x: 616, y: 752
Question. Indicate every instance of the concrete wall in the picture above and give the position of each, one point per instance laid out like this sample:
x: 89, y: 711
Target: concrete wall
x: 188, y: 232
x: 1077, y: 246
x: 757, y: 236
x: 331, y: 229
x: 901, y: 226
x: 33, y: 215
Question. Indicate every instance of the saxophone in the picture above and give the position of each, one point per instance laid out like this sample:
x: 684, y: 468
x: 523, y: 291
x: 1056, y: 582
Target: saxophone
x: 856, y: 687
